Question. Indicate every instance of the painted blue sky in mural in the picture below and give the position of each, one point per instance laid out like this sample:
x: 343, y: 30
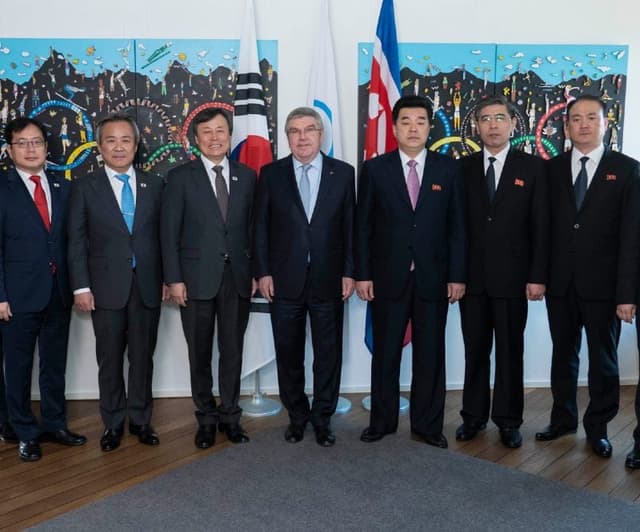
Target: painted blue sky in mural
x: 20, y: 58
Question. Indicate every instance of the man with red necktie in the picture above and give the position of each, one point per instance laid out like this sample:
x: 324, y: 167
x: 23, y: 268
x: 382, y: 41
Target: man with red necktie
x: 35, y: 299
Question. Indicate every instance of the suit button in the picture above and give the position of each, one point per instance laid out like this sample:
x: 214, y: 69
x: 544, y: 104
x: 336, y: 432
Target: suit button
x: 576, y: 226
x: 489, y: 219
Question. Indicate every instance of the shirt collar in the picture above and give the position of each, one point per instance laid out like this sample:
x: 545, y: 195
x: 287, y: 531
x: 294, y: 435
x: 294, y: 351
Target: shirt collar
x: 421, y: 158
x: 501, y: 156
x: 315, y: 162
x: 594, y: 155
x: 111, y: 173
x: 209, y: 164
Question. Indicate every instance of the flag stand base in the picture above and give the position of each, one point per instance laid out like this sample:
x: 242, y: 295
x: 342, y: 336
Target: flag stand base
x: 404, y: 404
x: 259, y: 405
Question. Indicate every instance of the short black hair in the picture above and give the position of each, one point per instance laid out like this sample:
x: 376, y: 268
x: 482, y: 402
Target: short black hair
x: 587, y: 98
x: 498, y: 99
x: 411, y: 101
x: 20, y: 124
x: 209, y: 114
x: 117, y: 117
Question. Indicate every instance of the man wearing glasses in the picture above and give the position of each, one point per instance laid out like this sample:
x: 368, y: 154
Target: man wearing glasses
x: 507, y: 216
x: 303, y: 261
x: 35, y: 300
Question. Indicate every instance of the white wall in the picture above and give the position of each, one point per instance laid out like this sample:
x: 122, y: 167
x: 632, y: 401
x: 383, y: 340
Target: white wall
x: 292, y: 23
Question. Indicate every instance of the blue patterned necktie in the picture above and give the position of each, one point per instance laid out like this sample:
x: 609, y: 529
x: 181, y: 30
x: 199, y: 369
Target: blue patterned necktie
x: 305, y: 189
x: 127, y: 205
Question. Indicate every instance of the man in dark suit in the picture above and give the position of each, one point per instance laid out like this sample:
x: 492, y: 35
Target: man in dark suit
x: 116, y: 273
x: 304, y: 264
x: 508, y: 230
x: 35, y: 301
x: 593, y: 275
x: 410, y: 259
x: 206, y: 248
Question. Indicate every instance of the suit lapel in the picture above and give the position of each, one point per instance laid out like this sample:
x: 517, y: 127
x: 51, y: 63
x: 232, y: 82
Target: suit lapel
x: 292, y: 184
x: 508, y: 171
x: 23, y: 196
x: 235, y: 187
x: 203, y: 183
x: 479, y: 180
x: 56, y: 202
x: 598, y: 179
x: 142, y: 200
x: 106, y: 198
x: 398, y: 181
x: 325, y: 185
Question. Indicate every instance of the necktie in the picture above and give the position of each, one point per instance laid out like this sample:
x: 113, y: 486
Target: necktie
x: 127, y: 206
x: 413, y: 183
x: 221, y: 192
x: 41, y: 202
x: 580, y: 186
x: 491, y: 179
x: 305, y: 189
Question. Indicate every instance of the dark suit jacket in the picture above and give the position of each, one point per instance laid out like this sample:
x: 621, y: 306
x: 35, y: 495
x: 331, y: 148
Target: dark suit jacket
x: 101, y: 249
x: 284, y: 238
x: 195, y: 239
x: 390, y: 234
x: 509, y: 238
x: 598, y: 246
x: 27, y: 249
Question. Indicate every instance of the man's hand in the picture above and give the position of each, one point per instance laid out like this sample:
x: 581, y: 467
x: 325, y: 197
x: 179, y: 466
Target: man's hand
x: 166, y: 293
x: 365, y: 290
x: 254, y: 287
x: 535, y: 292
x: 455, y: 292
x: 348, y: 286
x: 626, y: 312
x: 265, y: 285
x: 84, y: 301
x: 178, y: 293
x: 5, y: 313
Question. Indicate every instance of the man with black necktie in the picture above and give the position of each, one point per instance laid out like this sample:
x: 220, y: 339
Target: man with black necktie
x: 410, y: 262
x: 35, y: 300
x: 304, y: 265
x: 508, y: 228
x: 593, y: 274
x: 207, y: 213
x: 116, y: 274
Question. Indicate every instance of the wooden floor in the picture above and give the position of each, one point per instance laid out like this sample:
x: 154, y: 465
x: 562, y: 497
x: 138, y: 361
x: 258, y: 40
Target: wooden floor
x: 67, y: 478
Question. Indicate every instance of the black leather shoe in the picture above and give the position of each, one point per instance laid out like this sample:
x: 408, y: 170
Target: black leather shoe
x: 552, y: 432
x: 206, y: 436
x: 325, y: 436
x: 234, y: 431
x: 110, y: 439
x: 7, y: 434
x: 294, y: 433
x: 370, y: 435
x: 511, y: 438
x: 145, y: 434
x: 467, y: 431
x: 633, y: 458
x: 602, y: 447
x: 435, y: 440
x: 64, y: 437
x: 29, y: 451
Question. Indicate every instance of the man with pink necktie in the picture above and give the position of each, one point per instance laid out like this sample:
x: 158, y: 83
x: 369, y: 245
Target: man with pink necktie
x: 410, y: 261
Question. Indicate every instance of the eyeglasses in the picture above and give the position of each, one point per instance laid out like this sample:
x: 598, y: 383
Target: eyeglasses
x: 22, y: 144
x: 309, y: 130
x: 499, y: 118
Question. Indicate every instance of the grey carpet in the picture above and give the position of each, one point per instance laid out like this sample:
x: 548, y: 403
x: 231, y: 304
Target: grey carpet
x: 394, y: 484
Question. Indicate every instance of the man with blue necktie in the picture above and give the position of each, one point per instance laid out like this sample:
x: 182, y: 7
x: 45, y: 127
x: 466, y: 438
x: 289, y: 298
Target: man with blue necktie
x: 35, y: 299
x: 116, y: 274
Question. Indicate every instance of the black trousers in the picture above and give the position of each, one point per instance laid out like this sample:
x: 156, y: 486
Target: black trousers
x: 48, y: 328
x: 428, y: 322
x: 135, y: 326
x: 289, y: 320
x: 636, y: 432
x: 481, y: 315
x: 567, y: 316
x: 198, y: 324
